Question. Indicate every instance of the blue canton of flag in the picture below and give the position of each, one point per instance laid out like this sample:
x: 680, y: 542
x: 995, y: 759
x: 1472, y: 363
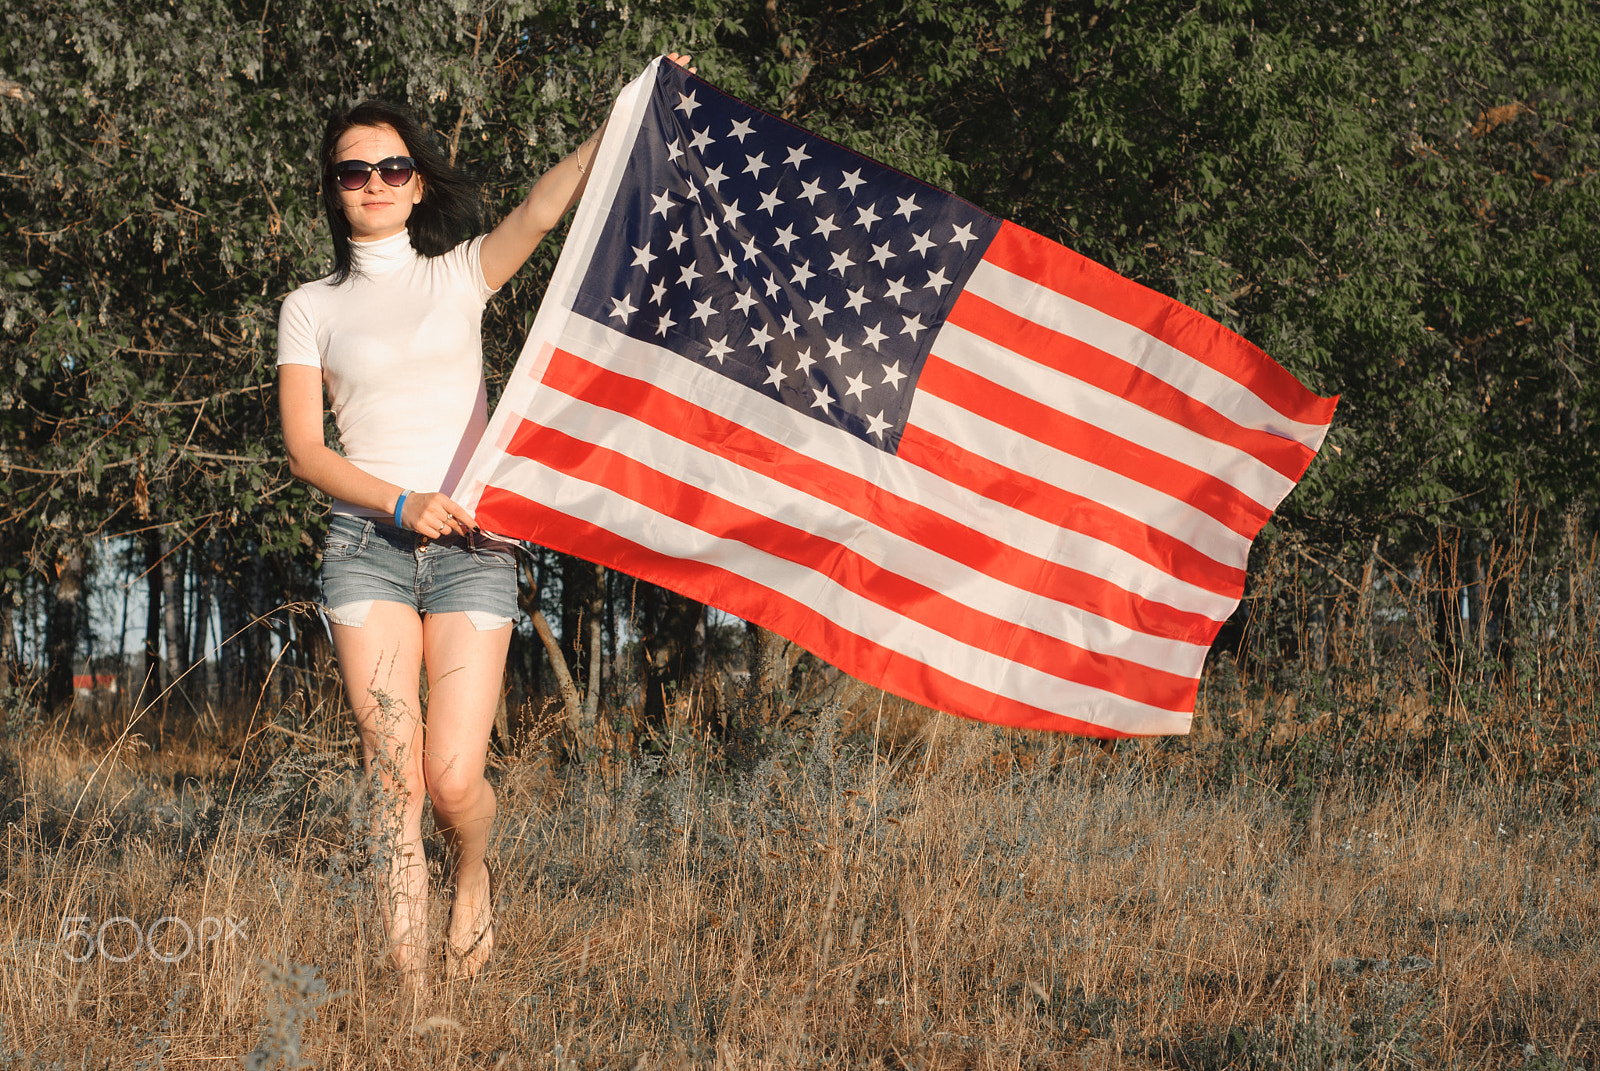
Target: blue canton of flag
x: 787, y: 263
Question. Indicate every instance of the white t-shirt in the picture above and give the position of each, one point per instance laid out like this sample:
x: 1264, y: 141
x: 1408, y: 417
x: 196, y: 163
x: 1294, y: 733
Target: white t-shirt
x: 400, y: 345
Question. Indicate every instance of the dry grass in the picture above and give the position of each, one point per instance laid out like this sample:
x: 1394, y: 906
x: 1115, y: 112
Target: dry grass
x: 893, y: 892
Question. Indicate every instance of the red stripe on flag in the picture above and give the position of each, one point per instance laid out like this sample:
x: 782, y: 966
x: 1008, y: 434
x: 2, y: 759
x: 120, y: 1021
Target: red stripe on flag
x: 854, y: 654
x: 921, y: 447
x: 1122, y: 379
x: 1042, y: 423
x: 1032, y: 256
x: 849, y: 493
x: 702, y: 510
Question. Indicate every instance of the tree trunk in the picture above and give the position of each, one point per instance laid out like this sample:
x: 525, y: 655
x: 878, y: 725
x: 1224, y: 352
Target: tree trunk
x: 10, y: 667
x: 172, y: 585
x: 597, y: 609
x: 234, y: 616
x: 1448, y: 628
x: 577, y: 578
x: 152, y: 684
x: 558, y: 660
x: 1366, y: 641
x: 61, y: 640
x: 1316, y: 637
x: 124, y: 678
x: 200, y: 627
x: 764, y: 682
x: 671, y: 623
x: 270, y: 636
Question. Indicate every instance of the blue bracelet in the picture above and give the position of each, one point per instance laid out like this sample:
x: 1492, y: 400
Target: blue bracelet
x: 399, y: 507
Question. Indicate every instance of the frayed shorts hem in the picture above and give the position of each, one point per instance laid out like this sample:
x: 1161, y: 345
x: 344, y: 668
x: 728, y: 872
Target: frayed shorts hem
x: 354, y: 615
x: 366, y: 561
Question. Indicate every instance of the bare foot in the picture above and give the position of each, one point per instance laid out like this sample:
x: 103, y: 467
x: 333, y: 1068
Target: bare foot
x: 413, y: 994
x: 469, y: 941
x: 408, y: 950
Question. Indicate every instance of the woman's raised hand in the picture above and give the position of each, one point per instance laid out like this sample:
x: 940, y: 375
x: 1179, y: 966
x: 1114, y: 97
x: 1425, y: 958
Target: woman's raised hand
x: 506, y: 248
x: 434, y: 514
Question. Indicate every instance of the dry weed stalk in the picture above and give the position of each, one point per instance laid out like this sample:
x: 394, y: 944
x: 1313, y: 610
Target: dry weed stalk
x: 836, y: 910
x: 1378, y: 849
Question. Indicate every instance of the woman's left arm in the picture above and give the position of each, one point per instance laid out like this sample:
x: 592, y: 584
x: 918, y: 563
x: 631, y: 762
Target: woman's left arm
x: 507, y: 248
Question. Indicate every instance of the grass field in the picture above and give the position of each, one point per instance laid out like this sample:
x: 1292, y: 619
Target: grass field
x: 879, y: 888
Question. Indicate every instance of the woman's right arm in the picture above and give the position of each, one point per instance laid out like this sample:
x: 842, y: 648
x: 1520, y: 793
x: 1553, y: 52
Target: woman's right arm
x: 312, y: 460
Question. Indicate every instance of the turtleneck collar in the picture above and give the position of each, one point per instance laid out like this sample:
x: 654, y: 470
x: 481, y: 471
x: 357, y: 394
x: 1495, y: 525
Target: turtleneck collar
x: 385, y: 254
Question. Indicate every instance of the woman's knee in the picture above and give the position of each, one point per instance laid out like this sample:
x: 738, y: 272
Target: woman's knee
x: 392, y: 759
x: 404, y: 798
x: 454, y: 786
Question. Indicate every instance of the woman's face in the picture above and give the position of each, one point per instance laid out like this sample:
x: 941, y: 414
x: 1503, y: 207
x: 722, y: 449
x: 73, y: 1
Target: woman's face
x: 377, y: 210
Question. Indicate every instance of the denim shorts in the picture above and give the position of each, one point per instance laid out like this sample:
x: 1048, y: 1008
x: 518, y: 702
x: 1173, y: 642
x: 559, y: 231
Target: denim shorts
x: 366, y: 561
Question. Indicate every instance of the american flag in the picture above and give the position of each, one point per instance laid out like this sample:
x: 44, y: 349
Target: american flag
x: 951, y: 457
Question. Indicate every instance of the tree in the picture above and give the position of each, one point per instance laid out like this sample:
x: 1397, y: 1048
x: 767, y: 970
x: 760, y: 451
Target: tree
x: 161, y: 203
x: 1388, y: 198
x: 1394, y: 199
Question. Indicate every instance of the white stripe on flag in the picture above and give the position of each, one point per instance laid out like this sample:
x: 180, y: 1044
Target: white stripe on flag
x: 720, y: 395
x: 834, y: 602
x: 1018, y: 453
x: 785, y: 504
x: 1172, y: 366
x: 994, y: 362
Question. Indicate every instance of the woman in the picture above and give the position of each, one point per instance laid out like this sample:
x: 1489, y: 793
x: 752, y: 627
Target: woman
x: 408, y: 580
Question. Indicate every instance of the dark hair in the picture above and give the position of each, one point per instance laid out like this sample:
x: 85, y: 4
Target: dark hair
x: 450, y: 206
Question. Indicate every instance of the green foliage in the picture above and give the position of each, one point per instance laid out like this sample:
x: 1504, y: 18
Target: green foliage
x: 1389, y: 199
x: 161, y: 201
x: 1393, y: 198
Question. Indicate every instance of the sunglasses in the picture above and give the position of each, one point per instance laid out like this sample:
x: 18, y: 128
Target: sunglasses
x: 353, y: 174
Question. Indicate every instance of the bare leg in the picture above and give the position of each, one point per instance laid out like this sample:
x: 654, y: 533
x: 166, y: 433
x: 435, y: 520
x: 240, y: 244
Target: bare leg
x: 465, y: 667
x: 381, y: 662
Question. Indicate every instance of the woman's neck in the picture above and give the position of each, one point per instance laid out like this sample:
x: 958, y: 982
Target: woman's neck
x: 381, y: 254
